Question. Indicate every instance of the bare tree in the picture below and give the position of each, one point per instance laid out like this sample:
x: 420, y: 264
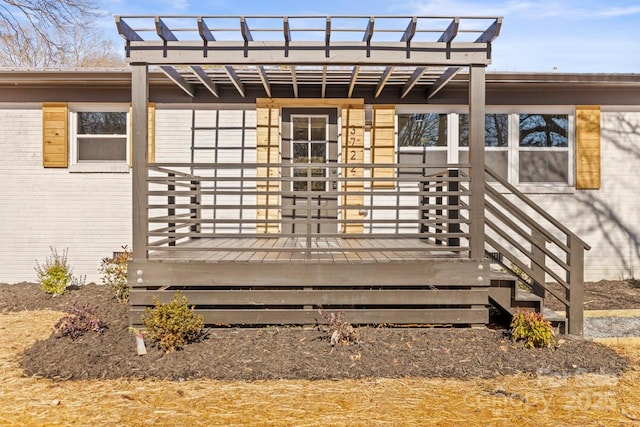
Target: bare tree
x: 42, y: 15
x: 53, y: 33
x: 66, y: 47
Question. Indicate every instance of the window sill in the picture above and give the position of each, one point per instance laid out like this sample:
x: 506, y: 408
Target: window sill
x: 99, y: 168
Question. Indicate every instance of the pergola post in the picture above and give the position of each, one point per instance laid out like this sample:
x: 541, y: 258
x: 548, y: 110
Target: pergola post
x: 139, y: 141
x: 476, y: 158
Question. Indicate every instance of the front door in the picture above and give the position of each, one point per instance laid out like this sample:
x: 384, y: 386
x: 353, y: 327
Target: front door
x: 310, y: 136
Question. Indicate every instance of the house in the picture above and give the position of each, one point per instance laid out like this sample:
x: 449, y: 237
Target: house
x: 268, y: 165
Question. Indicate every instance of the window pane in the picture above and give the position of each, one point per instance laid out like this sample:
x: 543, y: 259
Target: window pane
x: 318, y: 129
x: 496, y: 160
x: 300, y: 152
x: 102, y: 149
x: 318, y: 152
x: 544, y: 166
x: 544, y: 130
x: 496, y: 132
x: 422, y: 130
x: 101, y: 123
x: 300, y: 129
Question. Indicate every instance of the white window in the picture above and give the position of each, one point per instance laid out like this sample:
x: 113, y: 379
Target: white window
x: 99, y: 139
x: 530, y: 146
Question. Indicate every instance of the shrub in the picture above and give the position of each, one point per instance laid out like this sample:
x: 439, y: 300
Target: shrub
x: 56, y: 274
x: 532, y: 328
x: 114, y: 273
x: 78, y: 321
x: 339, y: 329
x: 174, y: 324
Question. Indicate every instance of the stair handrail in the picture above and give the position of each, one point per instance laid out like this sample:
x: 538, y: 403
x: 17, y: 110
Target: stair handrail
x: 539, y: 236
x: 520, y: 195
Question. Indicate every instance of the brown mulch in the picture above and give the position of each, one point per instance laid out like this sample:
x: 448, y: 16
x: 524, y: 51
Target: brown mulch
x: 290, y: 353
x: 605, y: 295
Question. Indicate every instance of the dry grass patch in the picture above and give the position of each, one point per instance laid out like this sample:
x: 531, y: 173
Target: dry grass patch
x: 524, y: 400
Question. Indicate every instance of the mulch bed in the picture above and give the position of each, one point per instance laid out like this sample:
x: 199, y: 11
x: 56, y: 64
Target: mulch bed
x: 291, y: 353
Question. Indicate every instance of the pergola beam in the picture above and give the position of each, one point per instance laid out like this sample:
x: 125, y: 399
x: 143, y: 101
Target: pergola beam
x: 419, y: 71
x: 286, y: 29
x: 410, y: 31
x: 368, y: 33
x: 235, y: 79
x: 451, y: 32
x: 206, y: 35
x: 294, y: 81
x: 175, y: 76
x: 245, y: 31
x: 354, y: 79
x: 262, y: 72
x: 491, y: 33
x: 205, y: 80
x: 204, y: 31
x: 164, y: 32
x: 324, y: 82
x: 488, y: 36
x: 128, y: 33
x: 444, y: 78
x: 383, y: 80
x: 310, y: 53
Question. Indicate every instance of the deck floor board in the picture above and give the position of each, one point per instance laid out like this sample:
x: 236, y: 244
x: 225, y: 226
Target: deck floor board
x: 268, y: 250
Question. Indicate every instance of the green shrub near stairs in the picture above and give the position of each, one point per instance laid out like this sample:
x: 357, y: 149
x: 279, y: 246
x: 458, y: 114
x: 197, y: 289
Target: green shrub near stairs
x: 532, y: 328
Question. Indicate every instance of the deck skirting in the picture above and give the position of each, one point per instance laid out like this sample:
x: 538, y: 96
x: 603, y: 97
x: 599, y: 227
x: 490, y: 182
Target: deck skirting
x: 426, y: 292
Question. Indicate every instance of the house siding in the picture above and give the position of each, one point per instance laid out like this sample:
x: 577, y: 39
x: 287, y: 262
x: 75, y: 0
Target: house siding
x: 607, y: 219
x: 88, y: 214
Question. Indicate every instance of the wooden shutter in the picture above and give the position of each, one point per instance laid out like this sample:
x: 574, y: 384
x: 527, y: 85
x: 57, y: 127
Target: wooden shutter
x: 151, y: 134
x: 55, y: 135
x: 383, y: 144
x: 353, y: 152
x: 267, y: 151
x: 588, y: 147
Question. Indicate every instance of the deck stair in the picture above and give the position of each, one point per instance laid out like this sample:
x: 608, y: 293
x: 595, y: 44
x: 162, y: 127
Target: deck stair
x: 508, y: 294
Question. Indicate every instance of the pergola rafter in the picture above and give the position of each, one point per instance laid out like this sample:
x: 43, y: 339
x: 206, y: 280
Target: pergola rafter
x: 390, y: 54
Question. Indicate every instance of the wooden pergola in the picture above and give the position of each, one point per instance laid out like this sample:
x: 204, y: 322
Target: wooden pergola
x: 383, y: 59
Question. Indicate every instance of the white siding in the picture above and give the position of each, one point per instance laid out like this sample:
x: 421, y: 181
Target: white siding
x: 90, y: 214
x: 608, y: 219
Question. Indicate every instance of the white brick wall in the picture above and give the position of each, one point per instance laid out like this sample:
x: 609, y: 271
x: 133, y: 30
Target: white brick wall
x: 90, y: 214
x: 87, y: 213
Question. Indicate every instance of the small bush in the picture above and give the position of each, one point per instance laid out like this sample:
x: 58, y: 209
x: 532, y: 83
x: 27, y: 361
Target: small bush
x: 532, y: 328
x: 55, y: 275
x: 339, y: 329
x: 114, y: 273
x: 174, y: 324
x: 78, y: 321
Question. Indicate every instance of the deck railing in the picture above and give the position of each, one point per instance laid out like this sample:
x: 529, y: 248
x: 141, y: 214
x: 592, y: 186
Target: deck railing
x: 380, y: 202
x: 525, y: 240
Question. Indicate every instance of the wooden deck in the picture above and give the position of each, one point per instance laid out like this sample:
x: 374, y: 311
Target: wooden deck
x: 299, y: 249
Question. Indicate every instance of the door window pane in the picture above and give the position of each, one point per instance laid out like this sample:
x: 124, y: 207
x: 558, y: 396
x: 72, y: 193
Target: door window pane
x: 300, y: 129
x: 300, y: 152
x: 318, y: 128
x: 318, y: 152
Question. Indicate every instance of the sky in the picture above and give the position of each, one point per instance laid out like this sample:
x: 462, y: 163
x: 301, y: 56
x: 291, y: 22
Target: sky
x: 572, y: 36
